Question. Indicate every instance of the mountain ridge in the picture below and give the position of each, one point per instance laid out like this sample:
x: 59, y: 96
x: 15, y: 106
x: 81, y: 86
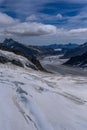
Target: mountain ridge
x: 20, y: 49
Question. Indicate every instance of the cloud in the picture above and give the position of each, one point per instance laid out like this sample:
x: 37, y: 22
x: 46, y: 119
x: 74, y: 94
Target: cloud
x: 22, y: 8
x: 44, y: 11
x: 78, y: 17
x: 66, y: 20
x: 59, y: 16
x: 62, y: 36
x: 31, y: 29
x: 32, y: 18
x: 79, y: 33
x: 77, y: 21
x: 7, y: 20
x: 44, y: 17
x: 38, y: 29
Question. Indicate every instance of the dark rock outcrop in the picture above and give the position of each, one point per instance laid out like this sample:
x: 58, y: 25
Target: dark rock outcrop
x: 80, y: 61
x: 20, y: 49
x: 81, y: 49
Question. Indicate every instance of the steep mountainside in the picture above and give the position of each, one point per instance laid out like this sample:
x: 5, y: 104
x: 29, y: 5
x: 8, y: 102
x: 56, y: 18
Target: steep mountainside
x: 80, y: 61
x: 20, y: 49
x: 10, y: 57
x: 77, y: 51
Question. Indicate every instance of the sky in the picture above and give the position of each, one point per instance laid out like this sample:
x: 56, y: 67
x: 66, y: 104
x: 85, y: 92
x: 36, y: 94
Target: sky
x: 42, y: 22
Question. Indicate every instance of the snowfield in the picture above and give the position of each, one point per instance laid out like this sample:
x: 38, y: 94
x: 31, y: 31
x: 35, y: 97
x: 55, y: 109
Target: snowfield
x: 34, y: 100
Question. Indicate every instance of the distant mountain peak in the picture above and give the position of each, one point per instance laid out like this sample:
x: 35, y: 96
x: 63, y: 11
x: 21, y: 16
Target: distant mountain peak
x: 8, y: 40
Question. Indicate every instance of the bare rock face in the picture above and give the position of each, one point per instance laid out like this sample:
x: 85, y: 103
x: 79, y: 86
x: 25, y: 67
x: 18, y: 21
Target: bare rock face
x: 78, y: 51
x: 80, y: 61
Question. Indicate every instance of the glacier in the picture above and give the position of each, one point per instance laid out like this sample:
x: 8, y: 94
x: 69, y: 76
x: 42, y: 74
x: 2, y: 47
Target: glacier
x: 35, y: 100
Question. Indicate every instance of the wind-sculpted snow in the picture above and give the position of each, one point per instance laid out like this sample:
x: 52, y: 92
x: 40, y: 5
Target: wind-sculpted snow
x: 33, y: 100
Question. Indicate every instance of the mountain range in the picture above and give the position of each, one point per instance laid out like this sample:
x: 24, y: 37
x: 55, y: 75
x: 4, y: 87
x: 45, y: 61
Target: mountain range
x: 77, y: 57
x: 77, y: 54
x: 33, y: 53
x: 78, y: 61
x: 79, y: 50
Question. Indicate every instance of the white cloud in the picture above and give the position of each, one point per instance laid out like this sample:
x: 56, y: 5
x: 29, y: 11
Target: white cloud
x: 14, y: 28
x: 7, y: 20
x: 78, y: 18
x: 80, y: 33
x: 80, y: 30
x: 59, y: 16
x: 60, y: 35
x: 38, y: 29
x: 31, y: 29
x: 32, y: 18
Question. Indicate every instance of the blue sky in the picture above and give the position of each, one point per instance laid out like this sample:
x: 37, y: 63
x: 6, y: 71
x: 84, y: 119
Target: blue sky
x: 44, y: 21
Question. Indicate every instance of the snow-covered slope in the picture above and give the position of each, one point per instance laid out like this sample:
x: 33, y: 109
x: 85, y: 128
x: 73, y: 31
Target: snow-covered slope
x: 10, y: 57
x: 32, y: 100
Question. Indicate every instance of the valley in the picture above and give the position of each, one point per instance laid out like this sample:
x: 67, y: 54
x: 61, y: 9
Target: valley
x: 55, y: 65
